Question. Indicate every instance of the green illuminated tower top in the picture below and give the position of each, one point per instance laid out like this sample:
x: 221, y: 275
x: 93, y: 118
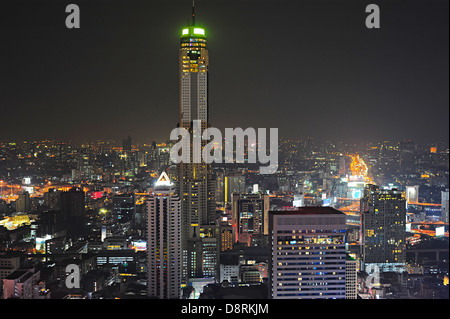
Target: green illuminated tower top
x: 193, y: 67
x: 193, y: 30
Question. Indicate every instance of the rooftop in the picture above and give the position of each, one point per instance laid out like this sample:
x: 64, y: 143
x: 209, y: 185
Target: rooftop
x: 309, y: 210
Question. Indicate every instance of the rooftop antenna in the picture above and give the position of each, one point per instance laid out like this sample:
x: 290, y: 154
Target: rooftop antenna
x: 193, y: 12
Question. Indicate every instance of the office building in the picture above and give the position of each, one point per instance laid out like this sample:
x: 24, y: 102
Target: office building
x: 351, y: 278
x: 308, y: 256
x: 164, y: 241
x: 226, y: 237
x: 383, y: 214
x: 72, y: 204
x: 23, y: 203
x: 234, y: 184
x: 250, y: 216
x: 124, y: 207
x: 25, y: 284
x: 126, y: 144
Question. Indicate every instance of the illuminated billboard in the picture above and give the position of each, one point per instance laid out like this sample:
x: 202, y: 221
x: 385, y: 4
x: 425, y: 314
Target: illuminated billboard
x: 140, y: 245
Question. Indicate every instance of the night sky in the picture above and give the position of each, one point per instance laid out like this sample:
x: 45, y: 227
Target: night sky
x: 309, y: 68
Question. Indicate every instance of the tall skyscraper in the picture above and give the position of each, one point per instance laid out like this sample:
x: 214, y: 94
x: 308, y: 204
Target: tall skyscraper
x: 164, y: 241
x: 383, y: 214
x: 308, y: 257
x: 195, y: 184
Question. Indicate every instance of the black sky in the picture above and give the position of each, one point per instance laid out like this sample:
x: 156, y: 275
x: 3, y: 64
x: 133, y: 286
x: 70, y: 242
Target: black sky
x: 310, y: 68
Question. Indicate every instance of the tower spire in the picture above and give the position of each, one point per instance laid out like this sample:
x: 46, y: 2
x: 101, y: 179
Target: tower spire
x: 193, y: 12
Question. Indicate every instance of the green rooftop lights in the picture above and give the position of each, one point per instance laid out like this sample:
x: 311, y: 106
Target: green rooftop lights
x: 199, y: 31
x: 192, y: 31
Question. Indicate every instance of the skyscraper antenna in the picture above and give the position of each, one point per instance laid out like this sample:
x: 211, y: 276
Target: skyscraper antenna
x: 193, y: 12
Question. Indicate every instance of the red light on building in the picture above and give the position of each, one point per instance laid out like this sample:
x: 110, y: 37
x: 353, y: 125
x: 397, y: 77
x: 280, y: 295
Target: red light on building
x: 96, y: 195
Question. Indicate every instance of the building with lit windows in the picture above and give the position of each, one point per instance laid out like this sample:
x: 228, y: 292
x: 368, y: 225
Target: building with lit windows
x: 383, y: 215
x: 250, y: 216
x: 351, y: 278
x: 195, y: 184
x: 9, y: 262
x: 308, y: 257
x: 226, y: 237
x: 164, y: 241
x: 25, y: 284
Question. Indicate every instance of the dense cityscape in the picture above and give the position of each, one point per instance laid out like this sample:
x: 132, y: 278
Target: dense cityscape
x: 87, y: 204
x: 122, y: 219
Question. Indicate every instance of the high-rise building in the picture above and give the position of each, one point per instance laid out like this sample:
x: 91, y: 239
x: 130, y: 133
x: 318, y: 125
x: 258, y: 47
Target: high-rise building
x: 226, y: 237
x: 234, y: 184
x: 195, y: 184
x: 51, y: 199
x: 220, y: 186
x: 126, y: 144
x: 351, y: 278
x: 23, y: 203
x: 72, y: 204
x: 407, y: 156
x: 383, y: 214
x: 124, y: 207
x: 308, y: 256
x: 250, y: 216
x: 164, y: 241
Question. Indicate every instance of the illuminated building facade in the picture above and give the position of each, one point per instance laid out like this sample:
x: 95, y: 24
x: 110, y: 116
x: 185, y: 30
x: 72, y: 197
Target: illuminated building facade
x: 308, y: 258
x: 164, y: 242
x: 351, y: 278
x: 195, y: 183
x: 226, y: 236
x: 383, y: 215
x: 250, y: 215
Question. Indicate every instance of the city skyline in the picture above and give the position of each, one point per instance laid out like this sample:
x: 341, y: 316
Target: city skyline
x: 113, y: 77
x: 95, y: 202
